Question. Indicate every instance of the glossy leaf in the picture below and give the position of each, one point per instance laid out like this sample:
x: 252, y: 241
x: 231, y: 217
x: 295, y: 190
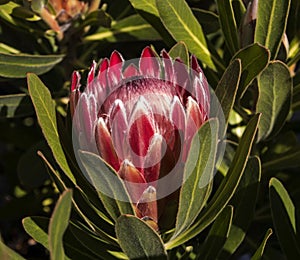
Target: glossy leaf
x: 108, y: 184
x: 138, y: 240
x: 226, y: 91
x: 131, y: 28
x: 217, y: 235
x: 259, y: 252
x: 58, y: 224
x: 244, y: 203
x: 45, y: 110
x: 284, y: 219
x: 8, y: 253
x: 180, y: 50
x: 225, y: 190
x: 179, y: 20
x: 13, y: 106
x: 17, y: 65
x: 228, y: 25
x: 197, y: 175
x: 271, y: 22
x: 254, y: 59
x: 274, y: 100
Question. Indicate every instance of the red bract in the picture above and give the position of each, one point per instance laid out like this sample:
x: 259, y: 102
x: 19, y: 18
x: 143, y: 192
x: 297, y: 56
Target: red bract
x: 141, y: 118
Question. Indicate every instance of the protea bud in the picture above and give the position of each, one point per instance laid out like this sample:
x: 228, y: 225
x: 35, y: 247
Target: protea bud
x: 141, y: 119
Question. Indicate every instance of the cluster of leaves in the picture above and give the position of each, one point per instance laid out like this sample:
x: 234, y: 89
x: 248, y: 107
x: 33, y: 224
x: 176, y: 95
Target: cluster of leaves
x: 250, y: 55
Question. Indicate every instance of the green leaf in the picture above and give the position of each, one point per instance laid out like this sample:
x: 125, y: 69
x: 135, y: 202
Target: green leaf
x: 296, y: 98
x: 17, y: 65
x: 244, y: 203
x: 131, y: 28
x: 108, y: 184
x: 226, y: 91
x: 284, y: 219
x: 197, y: 175
x: 228, y: 25
x: 208, y: 20
x: 179, y: 20
x: 179, y: 50
x: 274, y: 100
x: 98, y: 17
x: 17, y: 105
x: 226, y: 189
x: 58, y: 224
x: 138, y: 240
x: 254, y: 59
x: 217, y: 235
x: 7, y: 253
x: 271, y: 22
x: 45, y: 110
x: 259, y: 252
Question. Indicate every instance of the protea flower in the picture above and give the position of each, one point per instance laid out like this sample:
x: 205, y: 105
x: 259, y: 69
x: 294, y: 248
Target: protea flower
x: 141, y: 119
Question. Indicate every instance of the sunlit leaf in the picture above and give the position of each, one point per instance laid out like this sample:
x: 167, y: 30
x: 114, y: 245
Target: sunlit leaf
x: 180, y: 50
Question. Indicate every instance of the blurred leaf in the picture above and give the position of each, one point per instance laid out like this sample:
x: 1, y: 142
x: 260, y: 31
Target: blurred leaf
x: 138, y: 240
x: 228, y: 25
x: 58, y: 224
x: 45, y: 110
x: 254, y: 60
x: 296, y: 98
x: 209, y: 20
x: 197, y: 175
x: 284, y: 219
x: 179, y: 50
x: 98, y: 17
x: 274, y: 100
x: 17, y: 105
x: 226, y: 189
x: 17, y: 65
x: 226, y: 91
x: 131, y: 28
x: 108, y: 184
x: 271, y: 22
x: 217, y: 235
x: 183, y: 26
x: 259, y: 252
x: 4, y: 48
x: 244, y: 203
x: 148, y: 10
x: 7, y: 253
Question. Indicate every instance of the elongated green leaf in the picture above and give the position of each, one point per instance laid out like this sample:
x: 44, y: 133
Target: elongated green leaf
x: 197, y: 176
x: 217, y: 235
x: 228, y: 25
x: 183, y: 26
x: 131, y: 28
x: 259, y: 252
x: 244, y: 202
x: 8, y: 253
x: 225, y: 190
x: 58, y: 224
x: 45, y: 110
x: 17, y: 65
x: 226, y: 91
x: 254, y: 60
x: 208, y: 20
x: 284, y: 219
x: 18, y: 105
x: 271, y: 22
x: 274, y: 100
x: 110, y: 187
x: 180, y: 50
x: 138, y: 240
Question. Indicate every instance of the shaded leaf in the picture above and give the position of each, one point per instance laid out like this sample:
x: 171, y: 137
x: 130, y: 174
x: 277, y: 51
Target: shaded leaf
x: 45, y: 110
x: 197, y: 176
x: 284, y: 219
x: 17, y: 65
x: 254, y: 59
x: 274, y: 100
x: 58, y: 224
x: 271, y: 22
x: 209, y: 20
x: 259, y: 252
x: 8, y: 253
x: 17, y: 105
x: 138, y: 240
x: 226, y: 188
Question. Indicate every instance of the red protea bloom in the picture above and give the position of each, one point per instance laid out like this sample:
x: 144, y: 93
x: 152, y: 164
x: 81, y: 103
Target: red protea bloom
x: 141, y: 119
